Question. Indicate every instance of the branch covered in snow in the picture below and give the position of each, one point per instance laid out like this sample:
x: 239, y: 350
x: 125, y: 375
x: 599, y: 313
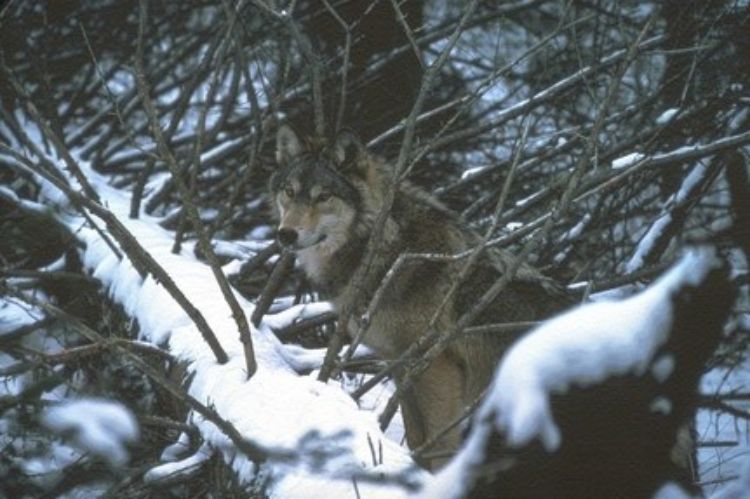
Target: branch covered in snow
x: 673, y: 215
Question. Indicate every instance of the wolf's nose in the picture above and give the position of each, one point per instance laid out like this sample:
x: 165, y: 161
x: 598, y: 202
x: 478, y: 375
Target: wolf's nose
x: 287, y: 237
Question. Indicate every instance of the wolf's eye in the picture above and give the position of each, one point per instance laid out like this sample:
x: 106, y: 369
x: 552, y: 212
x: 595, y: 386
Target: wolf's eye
x: 323, y: 197
x: 289, y: 192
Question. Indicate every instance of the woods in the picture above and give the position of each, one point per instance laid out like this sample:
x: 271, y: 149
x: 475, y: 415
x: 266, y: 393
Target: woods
x: 588, y: 142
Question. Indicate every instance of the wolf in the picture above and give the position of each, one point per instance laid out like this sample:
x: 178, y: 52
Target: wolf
x: 327, y: 197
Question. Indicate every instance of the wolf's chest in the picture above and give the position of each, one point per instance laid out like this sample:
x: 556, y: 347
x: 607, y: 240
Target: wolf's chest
x: 312, y: 265
x: 316, y: 264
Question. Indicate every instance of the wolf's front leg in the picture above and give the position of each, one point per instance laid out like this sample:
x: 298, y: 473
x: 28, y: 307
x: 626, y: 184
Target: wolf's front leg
x: 434, y: 402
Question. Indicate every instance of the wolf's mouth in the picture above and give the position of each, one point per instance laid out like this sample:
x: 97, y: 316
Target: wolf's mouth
x: 297, y: 246
x: 320, y: 239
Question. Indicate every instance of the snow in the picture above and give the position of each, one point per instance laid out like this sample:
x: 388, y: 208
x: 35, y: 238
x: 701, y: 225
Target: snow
x: 695, y: 176
x: 276, y: 408
x: 470, y: 172
x: 662, y: 368
x: 667, y: 116
x: 648, y: 241
x: 739, y: 489
x: 303, y: 359
x: 174, y: 469
x: 627, y: 160
x: 46, y: 469
x: 261, y: 232
x: 671, y: 490
x: 655, y: 231
x: 526, y: 200
x: 718, y: 464
x: 222, y: 150
x: 87, y: 491
x: 736, y: 123
x: 572, y: 234
x: 661, y: 405
x: 98, y: 426
x: 10, y: 195
x: 296, y: 313
x: 15, y: 314
x: 450, y: 482
x: 177, y: 449
x: 577, y: 229
x: 241, y: 250
x: 132, y: 154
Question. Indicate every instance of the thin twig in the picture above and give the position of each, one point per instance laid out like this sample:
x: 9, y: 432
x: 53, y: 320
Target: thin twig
x: 407, y: 31
x: 344, y: 66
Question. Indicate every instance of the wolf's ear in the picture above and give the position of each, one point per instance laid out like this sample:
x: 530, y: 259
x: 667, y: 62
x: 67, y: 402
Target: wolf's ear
x: 288, y: 144
x: 347, y: 149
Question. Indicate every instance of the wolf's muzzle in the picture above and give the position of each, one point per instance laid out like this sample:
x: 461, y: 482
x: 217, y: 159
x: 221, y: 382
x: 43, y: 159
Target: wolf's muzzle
x: 287, y: 237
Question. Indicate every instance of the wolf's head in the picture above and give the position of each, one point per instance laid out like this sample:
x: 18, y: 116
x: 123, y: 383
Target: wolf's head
x: 323, y: 194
